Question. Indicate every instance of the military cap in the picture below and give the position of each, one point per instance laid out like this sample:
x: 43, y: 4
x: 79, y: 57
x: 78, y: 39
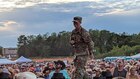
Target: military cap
x: 77, y: 18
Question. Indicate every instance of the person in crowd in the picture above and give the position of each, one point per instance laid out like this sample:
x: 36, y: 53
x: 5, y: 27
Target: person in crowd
x: 98, y: 74
x: 12, y: 71
x: 25, y: 75
x: 119, y: 71
x: 60, y: 71
x: 107, y: 72
x: 93, y: 73
x: 38, y: 71
x: 89, y: 71
x: 5, y: 74
x: 37, y: 68
x: 102, y: 65
x: 46, y: 72
x: 138, y: 68
x: 51, y: 65
x: 132, y: 73
x: 32, y: 68
x: 16, y: 69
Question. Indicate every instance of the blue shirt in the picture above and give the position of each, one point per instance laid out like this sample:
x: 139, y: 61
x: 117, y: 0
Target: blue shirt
x: 64, y: 72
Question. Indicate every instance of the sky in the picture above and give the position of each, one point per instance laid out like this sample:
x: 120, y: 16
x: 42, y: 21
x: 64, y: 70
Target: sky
x: 33, y: 17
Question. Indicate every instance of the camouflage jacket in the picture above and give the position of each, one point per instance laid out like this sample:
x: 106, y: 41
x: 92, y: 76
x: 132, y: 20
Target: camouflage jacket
x: 82, y: 41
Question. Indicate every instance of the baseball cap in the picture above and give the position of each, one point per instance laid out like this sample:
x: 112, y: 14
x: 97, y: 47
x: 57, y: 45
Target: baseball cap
x: 77, y: 18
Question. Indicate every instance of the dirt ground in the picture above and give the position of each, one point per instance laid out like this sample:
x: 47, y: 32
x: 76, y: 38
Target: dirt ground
x: 53, y: 59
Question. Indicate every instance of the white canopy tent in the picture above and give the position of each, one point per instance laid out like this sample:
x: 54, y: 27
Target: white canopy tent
x: 117, y: 57
x: 137, y: 56
x: 22, y: 60
x: 6, y: 61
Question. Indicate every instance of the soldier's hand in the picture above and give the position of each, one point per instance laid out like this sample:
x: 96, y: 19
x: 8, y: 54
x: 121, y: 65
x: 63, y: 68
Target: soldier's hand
x: 72, y: 42
x: 91, y: 56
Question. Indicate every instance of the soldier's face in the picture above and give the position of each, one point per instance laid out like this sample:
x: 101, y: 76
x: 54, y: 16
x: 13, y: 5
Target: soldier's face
x: 76, y: 24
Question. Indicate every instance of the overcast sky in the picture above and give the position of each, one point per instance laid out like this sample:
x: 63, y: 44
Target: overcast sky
x: 33, y: 17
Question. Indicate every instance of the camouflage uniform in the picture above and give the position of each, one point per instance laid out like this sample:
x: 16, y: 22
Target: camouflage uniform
x: 83, y: 46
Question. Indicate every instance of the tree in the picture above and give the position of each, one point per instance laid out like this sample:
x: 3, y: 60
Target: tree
x: 57, y: 44
x: 22, y: 45
x: 135, y: 39
x: 1, y: 50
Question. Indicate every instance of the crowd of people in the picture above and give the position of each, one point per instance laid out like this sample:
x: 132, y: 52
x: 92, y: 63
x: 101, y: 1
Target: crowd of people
x: 96, y: 69
x: 118, y: 69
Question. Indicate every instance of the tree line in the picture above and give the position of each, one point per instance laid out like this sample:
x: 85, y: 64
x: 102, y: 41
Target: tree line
x: 57, y: 44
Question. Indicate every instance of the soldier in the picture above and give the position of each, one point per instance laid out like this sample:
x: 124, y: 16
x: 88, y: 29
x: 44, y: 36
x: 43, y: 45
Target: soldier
x: 83, y: 46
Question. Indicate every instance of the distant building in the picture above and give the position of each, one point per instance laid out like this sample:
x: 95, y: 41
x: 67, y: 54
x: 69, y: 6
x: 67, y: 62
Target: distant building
x: 10, y: 53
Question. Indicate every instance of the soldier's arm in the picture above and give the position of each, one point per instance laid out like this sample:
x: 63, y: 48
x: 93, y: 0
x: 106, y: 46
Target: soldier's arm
x: 87, y: 39
x: 71, y: 41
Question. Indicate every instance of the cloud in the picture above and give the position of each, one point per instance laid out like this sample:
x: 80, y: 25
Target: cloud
x: 108, y: 12
x: 114, y: 6
x: 10, y: 29
x: 98, y: 7
x: 8, y: 25
x: 10, y: 5
x: 9, y: 32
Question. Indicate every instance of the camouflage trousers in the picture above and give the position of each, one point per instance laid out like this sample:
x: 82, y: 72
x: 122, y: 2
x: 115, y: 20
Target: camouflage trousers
x: 80, y: 72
